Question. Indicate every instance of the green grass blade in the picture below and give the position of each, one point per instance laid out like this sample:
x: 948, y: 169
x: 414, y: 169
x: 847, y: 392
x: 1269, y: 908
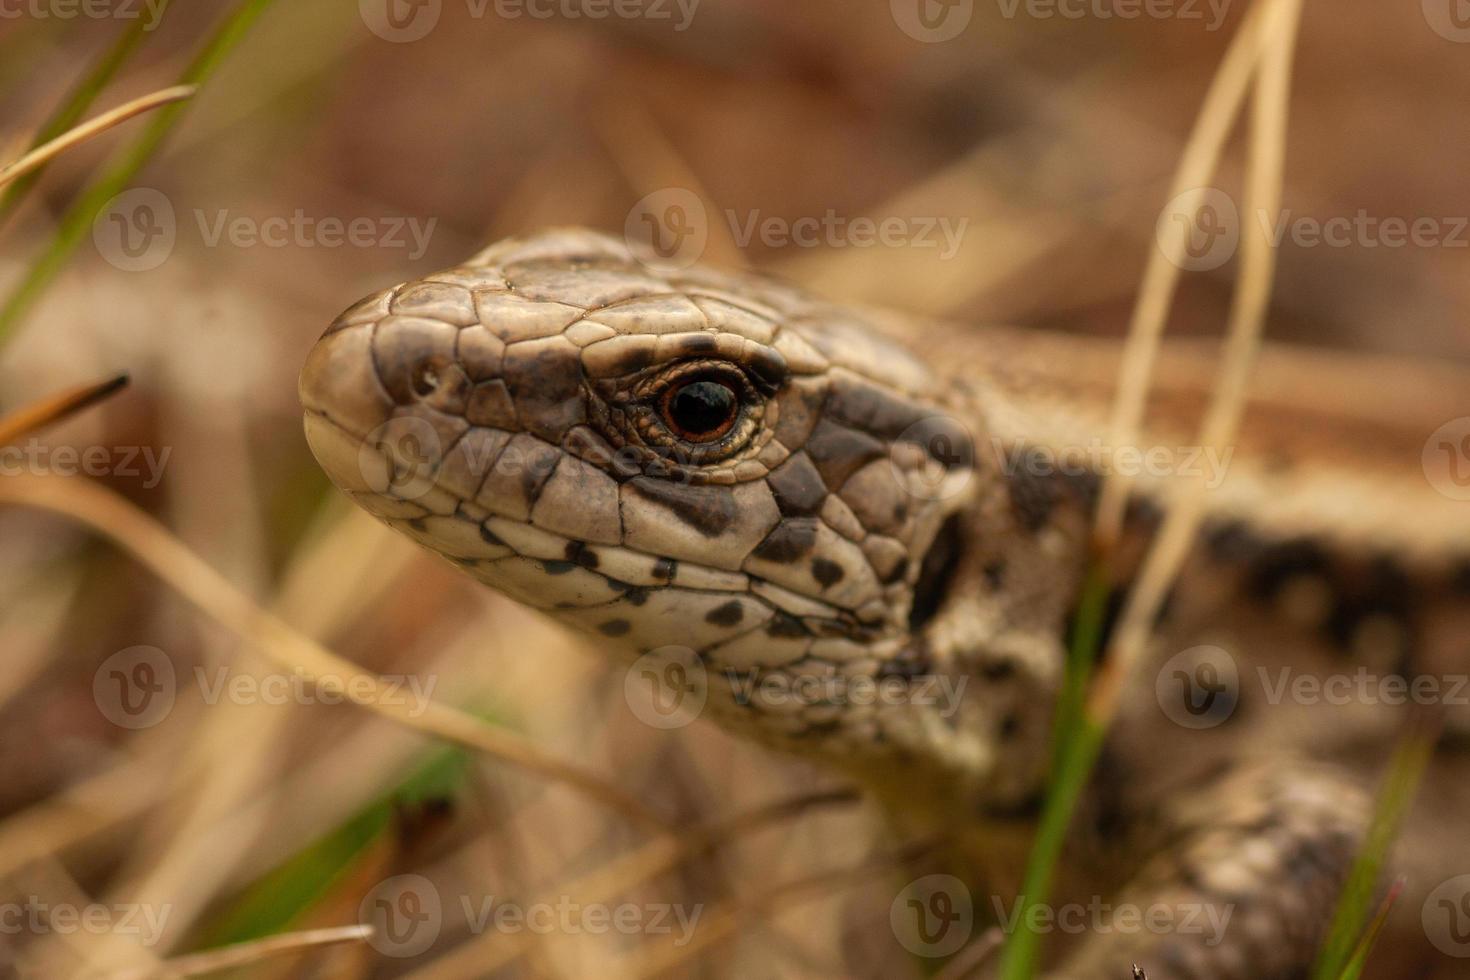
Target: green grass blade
x: 1078, y: 742
x: 290, y: 891
x: 1405, y: 771
x: 70, y: 112
x: 79, y: 217
x: 1355, y: 966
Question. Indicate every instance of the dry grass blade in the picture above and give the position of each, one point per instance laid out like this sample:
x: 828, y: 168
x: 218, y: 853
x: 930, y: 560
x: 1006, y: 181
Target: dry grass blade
x: 491, y: 951
x: 657, y: 960
x: 46, y: 152
x: 1227, y: 401
x: 56, y: 408
x: 1197, y: 166
x: 149, y: 542
x: 243, y: 954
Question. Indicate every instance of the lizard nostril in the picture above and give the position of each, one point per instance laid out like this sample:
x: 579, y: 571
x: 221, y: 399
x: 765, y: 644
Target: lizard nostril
x: 425, y: 379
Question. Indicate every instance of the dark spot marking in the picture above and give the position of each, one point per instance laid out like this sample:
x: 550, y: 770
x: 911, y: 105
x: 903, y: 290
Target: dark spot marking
x: 579, y: 554
x: 1279, y: 564
x: 709, y: 510
x: 545, y: 380
x: 769, y: 367
x: 1033, y: 498
x: 417, y: 523
x: 936, y: 575
x: 615, y: 627
x: 998, y: 670
x: 788, y: 542
x: 1010, y: 726
x: 995, y: 574
x: 787, y: 627
x: 557, y: 567
x: 828, y: 573
x: 839, y: 452
x: 636, y: 596
x: 1232, y: 542
x: 1460, y: 578
x: 798, y: 487
x: 729, y: 614
x: 488, y: 536
x: 1383, y: 591
x: 664, y: 569
x: 872, y: 409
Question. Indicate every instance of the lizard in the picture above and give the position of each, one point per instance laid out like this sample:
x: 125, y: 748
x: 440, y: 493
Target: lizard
x: 863, y: 538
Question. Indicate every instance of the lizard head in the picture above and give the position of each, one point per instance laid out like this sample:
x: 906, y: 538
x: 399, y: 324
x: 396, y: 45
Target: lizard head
x: 666, y: 459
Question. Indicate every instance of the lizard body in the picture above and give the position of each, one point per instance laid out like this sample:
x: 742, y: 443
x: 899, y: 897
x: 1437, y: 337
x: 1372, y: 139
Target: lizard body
x: 778, y: 496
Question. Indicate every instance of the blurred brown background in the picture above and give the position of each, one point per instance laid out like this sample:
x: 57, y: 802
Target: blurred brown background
x: 1053, y: 136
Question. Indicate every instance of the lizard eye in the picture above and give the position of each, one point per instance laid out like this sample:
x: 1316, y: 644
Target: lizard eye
x: 701, y: 410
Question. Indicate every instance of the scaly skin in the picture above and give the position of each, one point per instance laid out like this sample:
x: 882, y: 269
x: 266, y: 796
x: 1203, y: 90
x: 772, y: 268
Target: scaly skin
x: 857, y: 531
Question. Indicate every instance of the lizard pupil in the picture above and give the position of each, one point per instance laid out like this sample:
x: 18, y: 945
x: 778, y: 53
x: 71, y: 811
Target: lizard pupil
x: 701, y: 411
